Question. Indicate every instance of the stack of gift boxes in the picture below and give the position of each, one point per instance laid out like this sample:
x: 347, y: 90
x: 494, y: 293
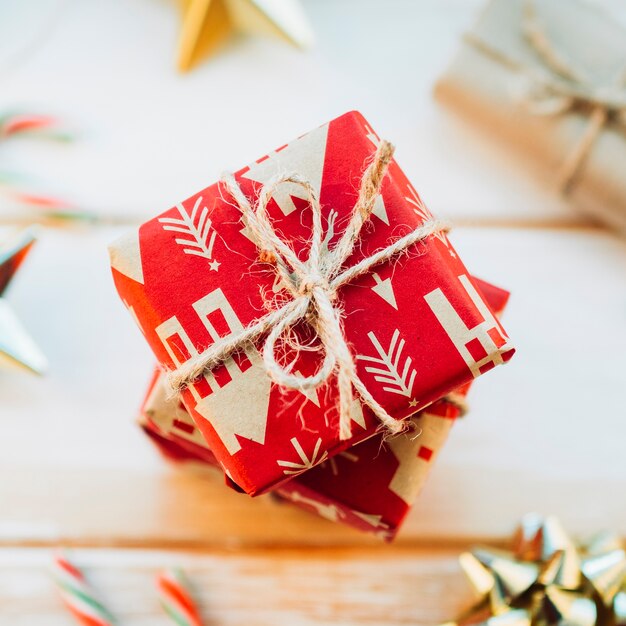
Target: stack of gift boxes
x: 419, y: 327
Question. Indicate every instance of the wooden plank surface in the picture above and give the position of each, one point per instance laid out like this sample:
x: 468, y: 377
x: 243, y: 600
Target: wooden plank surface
x: 340, y: 586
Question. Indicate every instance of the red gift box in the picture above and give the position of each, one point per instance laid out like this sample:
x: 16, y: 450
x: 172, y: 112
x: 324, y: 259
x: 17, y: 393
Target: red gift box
x: 371, y: 486
x: 165, y: 420
x: 416, y: 324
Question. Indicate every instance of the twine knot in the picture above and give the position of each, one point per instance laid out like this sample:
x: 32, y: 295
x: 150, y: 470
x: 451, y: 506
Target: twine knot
x: 312, y: 284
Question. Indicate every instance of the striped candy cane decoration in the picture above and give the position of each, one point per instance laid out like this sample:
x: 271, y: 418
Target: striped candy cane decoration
x: 176, y: 599
x: 78, y: 595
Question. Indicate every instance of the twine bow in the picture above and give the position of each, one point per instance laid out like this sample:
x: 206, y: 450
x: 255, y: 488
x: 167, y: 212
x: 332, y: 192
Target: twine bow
x: 312, y: 287
x: 561, y: 87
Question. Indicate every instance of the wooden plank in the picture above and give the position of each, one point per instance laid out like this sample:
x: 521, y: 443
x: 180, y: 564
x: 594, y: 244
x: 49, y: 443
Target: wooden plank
x: 257, y: 587
x: 142, y: 148
x: 545, y: 432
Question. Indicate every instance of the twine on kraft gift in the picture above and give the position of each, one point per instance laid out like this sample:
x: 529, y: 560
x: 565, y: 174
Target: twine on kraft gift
x: 312, y: 286
x: 560, y: 88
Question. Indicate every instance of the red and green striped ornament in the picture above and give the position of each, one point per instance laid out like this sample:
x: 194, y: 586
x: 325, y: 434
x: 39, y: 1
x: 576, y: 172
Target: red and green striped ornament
x: 176, y: 598
x: 78, y: 596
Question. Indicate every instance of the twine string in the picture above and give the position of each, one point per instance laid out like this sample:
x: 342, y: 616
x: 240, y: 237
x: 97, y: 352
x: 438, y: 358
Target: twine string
x: 559, y: 88
x: 312, y: 285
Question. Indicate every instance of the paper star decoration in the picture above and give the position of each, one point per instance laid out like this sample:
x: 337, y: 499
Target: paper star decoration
x: 207, y: 23
x: 547, y: 579
x: 17, y: 349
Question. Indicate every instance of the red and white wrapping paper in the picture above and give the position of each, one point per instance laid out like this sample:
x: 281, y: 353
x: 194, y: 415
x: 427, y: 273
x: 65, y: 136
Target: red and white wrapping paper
x: 371, y: 487
x: 165, y: 420
x: 417, y: 325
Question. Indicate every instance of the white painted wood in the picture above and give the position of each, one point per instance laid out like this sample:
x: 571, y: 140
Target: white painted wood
x: 546, y: 432
x: 150, y: 137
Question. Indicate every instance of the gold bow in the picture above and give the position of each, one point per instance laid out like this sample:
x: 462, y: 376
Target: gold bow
x: 547, y: 579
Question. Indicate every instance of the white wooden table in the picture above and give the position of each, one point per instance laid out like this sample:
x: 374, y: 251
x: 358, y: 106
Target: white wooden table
x: 545, y: 433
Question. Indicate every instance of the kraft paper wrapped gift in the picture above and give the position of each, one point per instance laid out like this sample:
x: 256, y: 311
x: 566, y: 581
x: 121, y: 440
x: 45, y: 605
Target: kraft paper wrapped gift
x: 416, y: 326
x: 371, y: 487
x: 549, y: 77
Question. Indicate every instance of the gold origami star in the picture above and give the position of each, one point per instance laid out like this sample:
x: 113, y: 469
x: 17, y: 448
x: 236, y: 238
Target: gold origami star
x: 17, y: 349
x: 207, y: 23
x: 546, y: 579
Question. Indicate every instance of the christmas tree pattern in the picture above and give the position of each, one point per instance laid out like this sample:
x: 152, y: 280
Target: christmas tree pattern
x: 373, y: 520
x: 336, y: 513
x: 169, y: 415
x: 198, y: 230
x: 388, y: 368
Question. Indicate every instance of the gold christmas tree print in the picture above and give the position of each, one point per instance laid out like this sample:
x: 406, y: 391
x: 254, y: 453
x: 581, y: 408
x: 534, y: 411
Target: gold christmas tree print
x: 198, y: 230
x: 389, y: 368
